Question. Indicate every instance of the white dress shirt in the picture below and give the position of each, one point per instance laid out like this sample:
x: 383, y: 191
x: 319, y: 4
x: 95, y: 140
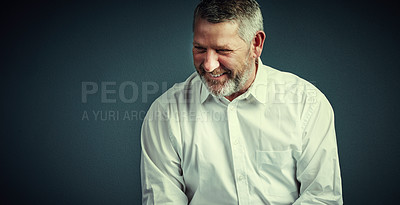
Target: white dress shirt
x: 274, y: 144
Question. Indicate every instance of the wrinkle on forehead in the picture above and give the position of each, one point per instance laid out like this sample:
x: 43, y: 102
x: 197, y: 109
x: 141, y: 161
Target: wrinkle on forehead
x: 217, y: 35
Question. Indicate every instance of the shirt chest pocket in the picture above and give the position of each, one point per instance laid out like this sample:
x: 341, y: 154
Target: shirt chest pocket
x: 278, y: 159
x: 277, y: 170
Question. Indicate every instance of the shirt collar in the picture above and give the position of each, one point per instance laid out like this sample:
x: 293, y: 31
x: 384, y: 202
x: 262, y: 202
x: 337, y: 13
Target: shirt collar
x: 258, y: 88
x: 204, y: 93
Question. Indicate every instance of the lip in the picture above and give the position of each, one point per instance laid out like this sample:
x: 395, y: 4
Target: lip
x: 216, y: 78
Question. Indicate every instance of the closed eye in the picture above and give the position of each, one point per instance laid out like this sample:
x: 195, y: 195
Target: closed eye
x: 224, y: 51
x: 200, y: 49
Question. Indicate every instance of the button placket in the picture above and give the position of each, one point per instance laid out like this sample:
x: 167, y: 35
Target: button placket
x: 237, y: 154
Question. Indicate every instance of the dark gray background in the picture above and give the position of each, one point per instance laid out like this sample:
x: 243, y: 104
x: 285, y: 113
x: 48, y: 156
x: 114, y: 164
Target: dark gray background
x: 49, y: 155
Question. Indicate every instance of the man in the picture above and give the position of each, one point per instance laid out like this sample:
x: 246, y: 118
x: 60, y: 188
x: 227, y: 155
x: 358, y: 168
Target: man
x: 237, y: 131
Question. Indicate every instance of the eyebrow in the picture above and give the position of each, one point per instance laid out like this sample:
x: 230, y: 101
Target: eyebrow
x: 225, y: 47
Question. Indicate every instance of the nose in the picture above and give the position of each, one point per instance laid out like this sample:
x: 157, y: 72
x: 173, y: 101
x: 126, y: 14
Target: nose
x: 211, y: 62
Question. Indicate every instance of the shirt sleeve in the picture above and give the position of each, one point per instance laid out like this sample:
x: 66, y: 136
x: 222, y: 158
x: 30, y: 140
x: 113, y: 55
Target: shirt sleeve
x: 161, y: 173
x: 318, y: 170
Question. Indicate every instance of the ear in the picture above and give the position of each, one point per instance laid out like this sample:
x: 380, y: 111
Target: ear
x: 258, y: 43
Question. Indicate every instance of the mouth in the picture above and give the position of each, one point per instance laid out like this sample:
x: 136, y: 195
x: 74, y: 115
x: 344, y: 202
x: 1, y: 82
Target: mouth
x: 218, y: 75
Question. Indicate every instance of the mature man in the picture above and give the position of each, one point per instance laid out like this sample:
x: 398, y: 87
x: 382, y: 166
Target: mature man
x: 237, y: 131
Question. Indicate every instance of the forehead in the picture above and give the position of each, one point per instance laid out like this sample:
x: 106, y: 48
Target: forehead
x: 216, y: 34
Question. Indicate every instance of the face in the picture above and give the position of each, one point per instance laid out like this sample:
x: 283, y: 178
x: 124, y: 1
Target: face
x: 222, y: 59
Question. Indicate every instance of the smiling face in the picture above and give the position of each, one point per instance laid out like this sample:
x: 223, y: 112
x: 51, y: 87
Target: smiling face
x: 225, y: 63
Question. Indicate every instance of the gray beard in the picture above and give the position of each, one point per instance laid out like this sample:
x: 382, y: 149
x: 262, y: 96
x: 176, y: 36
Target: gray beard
x: 231, y: 86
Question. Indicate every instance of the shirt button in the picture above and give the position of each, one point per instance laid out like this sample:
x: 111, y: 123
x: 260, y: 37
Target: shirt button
x: 236, y: 142
x: 241, y: 177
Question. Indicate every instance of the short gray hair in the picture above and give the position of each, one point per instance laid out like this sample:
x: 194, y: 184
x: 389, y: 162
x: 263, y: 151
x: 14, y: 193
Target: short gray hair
x: 246, y: 13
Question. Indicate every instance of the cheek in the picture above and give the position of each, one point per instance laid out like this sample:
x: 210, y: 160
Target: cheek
x: 197, y: 59
x: 228, y: 63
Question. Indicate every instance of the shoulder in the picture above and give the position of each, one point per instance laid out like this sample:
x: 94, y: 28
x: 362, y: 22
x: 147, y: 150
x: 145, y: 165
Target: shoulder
x: 180, y: 94
x: 297, y: 94
x: 277, y: 76
x: 291, y: 85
